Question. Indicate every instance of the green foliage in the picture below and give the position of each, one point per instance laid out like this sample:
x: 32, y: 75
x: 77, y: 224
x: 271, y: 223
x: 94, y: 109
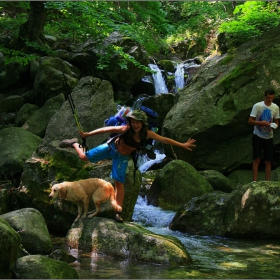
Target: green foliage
x: 155, y: 25
x: 12, y: 15
x: 123, y: 60
x: 80, y: 20
x: 14, y: 56
x: 251, y: 20
x: 197, y: 18
x: 141, y: 21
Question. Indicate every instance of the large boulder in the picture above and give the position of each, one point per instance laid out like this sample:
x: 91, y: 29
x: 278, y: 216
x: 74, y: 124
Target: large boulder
x: 126, y: 241
x: 94, y: 103
x: 35, y: 239
x: 16, y: 145
x: 214, y: 108
x: 218, y: 181
x: 175, y: 184
x: 38, y: 122
x: 24, y: 113
x: 252, y: 211
x: 42, y: 267
x: 46, y: 88
x: 12, y: 74
x: 202, y: 215
x: 9, y: 247
x: 12, y: 103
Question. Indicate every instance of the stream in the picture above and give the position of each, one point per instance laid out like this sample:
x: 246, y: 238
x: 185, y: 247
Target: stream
x: 213, y: 257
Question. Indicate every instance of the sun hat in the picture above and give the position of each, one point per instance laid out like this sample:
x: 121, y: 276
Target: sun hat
x: 138, y: 115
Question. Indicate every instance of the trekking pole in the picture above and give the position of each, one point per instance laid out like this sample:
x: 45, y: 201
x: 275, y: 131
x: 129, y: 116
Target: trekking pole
x: 74, y: 111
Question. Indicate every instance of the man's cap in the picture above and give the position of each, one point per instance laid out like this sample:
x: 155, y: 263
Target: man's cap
x: 138, y: 115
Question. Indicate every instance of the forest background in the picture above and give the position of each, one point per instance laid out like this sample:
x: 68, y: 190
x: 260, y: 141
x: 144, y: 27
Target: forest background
x: 159, y: 26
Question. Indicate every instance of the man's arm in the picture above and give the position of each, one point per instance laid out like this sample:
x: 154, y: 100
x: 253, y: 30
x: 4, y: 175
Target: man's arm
x: 252, y: 121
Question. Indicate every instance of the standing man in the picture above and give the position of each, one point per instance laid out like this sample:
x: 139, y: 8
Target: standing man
x: 264, y: 117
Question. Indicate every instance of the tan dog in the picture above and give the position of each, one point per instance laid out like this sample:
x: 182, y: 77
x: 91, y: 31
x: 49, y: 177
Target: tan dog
x: 82, y: 191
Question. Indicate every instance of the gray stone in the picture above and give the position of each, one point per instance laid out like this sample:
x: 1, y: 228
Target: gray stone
x: 127, y: 241
x: 9, y: 247
x: 24, y: 113
x: 176, y: 184
x: 35, y: 239
x: 11, y: 103
x: 252, y: 211
x: 46, y: 88
x: 218, y: 181
x: 38, y: 122
x: 41, y: 267
x: 16, y: 145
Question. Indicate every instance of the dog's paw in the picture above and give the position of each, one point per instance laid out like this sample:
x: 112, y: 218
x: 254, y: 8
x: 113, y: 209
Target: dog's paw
x: 77, y: 219
x: 91, y: 215
x: 118, y: 208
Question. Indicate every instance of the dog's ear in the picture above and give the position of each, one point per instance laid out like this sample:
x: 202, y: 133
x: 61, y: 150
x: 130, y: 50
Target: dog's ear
x: 62, y: 192
x: 54, y: 183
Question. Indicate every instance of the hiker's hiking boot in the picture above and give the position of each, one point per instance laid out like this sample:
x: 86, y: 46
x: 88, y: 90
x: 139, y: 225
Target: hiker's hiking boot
x: 118, y: 217
x: 67, y: 143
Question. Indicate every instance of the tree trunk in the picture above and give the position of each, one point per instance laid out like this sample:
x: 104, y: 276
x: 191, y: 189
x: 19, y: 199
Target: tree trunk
x: 32, y: 29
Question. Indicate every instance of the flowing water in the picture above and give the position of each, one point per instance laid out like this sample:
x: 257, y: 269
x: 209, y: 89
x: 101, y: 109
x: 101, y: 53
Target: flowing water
x: 213, y: 257
x: 179, y: 77
x: 159, y: 83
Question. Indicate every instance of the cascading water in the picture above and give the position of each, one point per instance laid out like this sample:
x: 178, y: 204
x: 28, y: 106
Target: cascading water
x: 149, y: 162
x: 179, y: 77
x: 159, y: 83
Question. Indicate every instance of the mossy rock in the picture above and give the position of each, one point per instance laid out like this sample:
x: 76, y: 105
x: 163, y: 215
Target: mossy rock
x: 167, y: 65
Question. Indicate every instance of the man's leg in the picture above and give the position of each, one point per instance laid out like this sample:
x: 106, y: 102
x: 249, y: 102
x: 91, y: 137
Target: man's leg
x: 255, y: 168
x: 267, y: 170
x: 257, y: 145
x: 268, y: 157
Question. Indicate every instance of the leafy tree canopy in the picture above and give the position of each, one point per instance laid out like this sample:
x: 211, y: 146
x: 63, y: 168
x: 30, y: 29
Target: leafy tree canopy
x: 156, y: 25
x: 251, y: 19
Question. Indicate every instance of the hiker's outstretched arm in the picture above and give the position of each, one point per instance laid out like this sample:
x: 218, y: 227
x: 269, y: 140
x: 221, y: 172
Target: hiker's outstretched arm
x: 165, y: 140
x: 105, y: 129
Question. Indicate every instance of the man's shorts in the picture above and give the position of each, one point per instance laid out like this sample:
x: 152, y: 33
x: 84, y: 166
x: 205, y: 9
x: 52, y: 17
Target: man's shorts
x: 109, y: 151
x: 260, y: 144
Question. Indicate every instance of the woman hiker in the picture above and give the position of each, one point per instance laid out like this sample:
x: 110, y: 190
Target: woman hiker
x: 129, y: 138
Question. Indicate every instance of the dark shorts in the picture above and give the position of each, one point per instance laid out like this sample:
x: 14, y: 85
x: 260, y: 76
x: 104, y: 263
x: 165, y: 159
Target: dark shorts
x: 261, y: 144
x: 109, y: 151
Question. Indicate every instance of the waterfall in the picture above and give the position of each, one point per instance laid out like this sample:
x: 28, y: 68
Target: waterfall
x: 146, y: 165
x: 179, y: 77
x: 160, y: 86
